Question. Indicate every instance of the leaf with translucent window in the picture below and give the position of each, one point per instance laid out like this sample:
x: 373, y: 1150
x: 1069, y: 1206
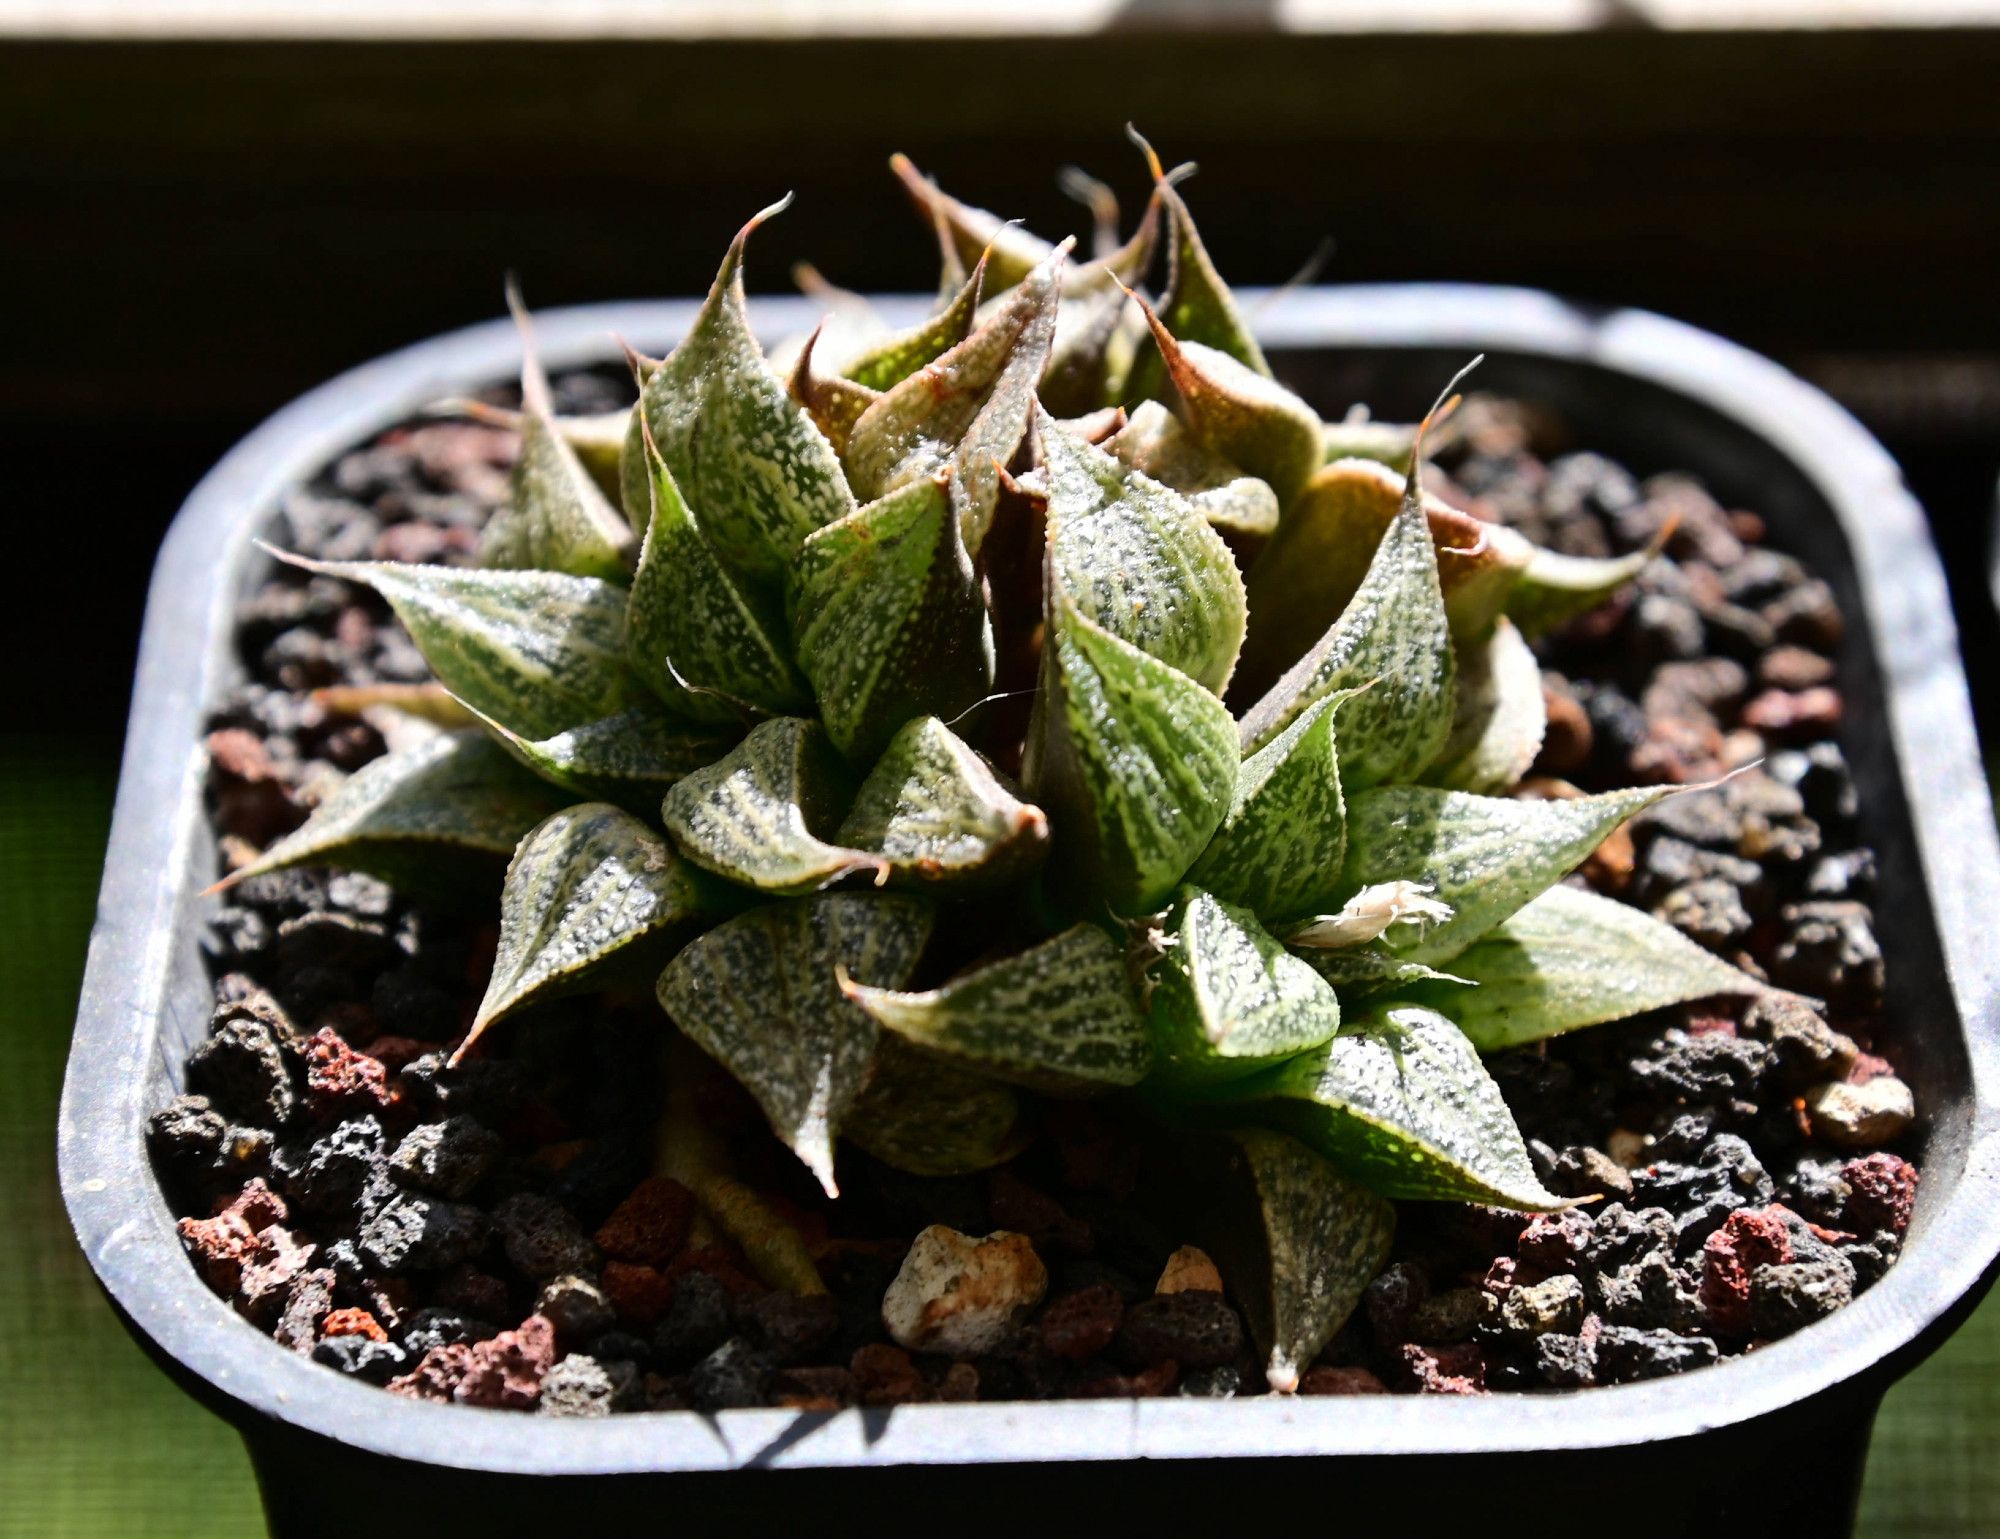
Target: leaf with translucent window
x: 630, y: 758
x: 939, y: 814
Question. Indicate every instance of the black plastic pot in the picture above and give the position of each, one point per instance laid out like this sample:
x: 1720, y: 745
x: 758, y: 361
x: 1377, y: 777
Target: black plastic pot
x: 1771, y: 1441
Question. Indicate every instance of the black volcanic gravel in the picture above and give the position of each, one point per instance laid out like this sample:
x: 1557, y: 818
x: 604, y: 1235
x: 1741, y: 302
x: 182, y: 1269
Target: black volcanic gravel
x: 487, y: 1234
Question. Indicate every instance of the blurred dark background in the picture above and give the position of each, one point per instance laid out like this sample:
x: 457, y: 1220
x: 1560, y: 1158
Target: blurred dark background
x: 194, y: 231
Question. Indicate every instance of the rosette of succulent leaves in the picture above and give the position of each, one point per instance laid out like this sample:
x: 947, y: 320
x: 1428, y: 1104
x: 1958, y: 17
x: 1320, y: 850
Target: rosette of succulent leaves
x: 1040, y: 701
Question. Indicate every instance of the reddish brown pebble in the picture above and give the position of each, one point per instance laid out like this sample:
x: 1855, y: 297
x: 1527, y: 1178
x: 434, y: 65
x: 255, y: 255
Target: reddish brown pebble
x: 639, y: 1295
x: 719, y: 1262
x: 651, y: 1225
x: 1456, y: 1369
x: 1867, y: 1066
x: 1189, y: 1270
x: 340, y: 1082
x: 507, y: 1371
x: 251, y: 801
x: 1143, y: 1385
x: 1793, y: 668
x: 1801, y: 713
x: 1567, y: 742
x: 814, y: 1389
x: 885, y: 1375
x: 396, y: 1053
x: 959, y: 1384
x: 438, y: 1376
x: 1882, y: 1190
x: 1082, y: 1324
x: 477, y: 1293
x: 1748, y: 1239
x: 1341, y: 1381
x: 353, y: 1322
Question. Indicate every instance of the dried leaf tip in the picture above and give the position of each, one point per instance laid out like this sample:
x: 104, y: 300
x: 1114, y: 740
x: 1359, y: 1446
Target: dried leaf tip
x: 732, y: 263
x: 535, y: 395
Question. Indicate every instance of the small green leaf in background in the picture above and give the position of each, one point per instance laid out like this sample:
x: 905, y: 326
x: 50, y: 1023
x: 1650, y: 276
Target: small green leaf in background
x: 1011, y: 253
x: 921, y: 1114
x: 630, y: 758
x: 1572, y: 959
x: 1059, y: 1017
x: 537, y: 652
x: 1281, y: 844
x: 1556, y: 588
x: 1135, y: 557
x: 1401, y: 1101
x: 894, y: 359
x: 556, y: 518
x: 965, y: 411
x: 1501, y: 717
x: 1228, y: 999
x: 453, y: 793
x: 1483, y: 856
x: 712, y: 649
x: 889, y: 618
x: 940, y: 816
x: 760, y: 994
x: 1156, y: 443
x: 1134, y: 761
x: 588, y: 887
x: 761, y: 814
x: 750, y: 461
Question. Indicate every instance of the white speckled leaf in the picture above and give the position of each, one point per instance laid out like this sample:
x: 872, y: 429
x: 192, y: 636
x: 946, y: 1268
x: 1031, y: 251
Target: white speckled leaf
x: 1572, y: 959
x: 1556, y: 588
x: 630, y: 758
x: 1321, y: 1240
x: 965, y: 411
x: 1135, y: 557
x: 1239, y: 414
x: 537, y: 652
x: 1484, y: 856
x: 711, y: 648
x: 894, y: 359
x: 1501, y: 717
x: 1228, y: 999
x: 590, y: 886
x: 1010, y: 251
x: 760, y: 994
x: 1155, y: 442
x: 939, y: 815
x: 762, y: 814
x: 1280, y: 847
x: 1393, y: 637
x: 749, y: 459
x: 454, y: 792
x: 924, y: 1115
x: 1134, y: 761
x: 889, y: 619
x: 1400, y: 1101
x: 1058, y: 1017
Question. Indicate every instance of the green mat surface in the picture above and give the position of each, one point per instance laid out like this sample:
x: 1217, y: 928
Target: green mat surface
x: 94, y: 1442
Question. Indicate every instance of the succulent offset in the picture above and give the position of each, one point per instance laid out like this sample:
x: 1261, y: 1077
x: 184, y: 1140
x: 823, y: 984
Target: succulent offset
x: 1037, y: 702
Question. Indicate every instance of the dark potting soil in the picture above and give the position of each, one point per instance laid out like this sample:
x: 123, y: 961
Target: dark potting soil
x: 490, y: 1234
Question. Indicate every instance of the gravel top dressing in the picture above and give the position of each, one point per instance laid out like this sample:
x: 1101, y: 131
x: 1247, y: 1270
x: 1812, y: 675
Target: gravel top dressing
x: 493, y: 1232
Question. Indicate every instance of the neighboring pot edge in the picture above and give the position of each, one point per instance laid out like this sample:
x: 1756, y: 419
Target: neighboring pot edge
x: 159, y: 840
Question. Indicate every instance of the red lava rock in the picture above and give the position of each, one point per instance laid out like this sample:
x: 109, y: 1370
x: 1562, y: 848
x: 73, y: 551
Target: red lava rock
x: 477, y: 1293
x: 224, y: 1245
x: 438, y: 1376
x: 1554, y: 1241
x: 651, y: 1225
x: 814, y: 1389
x: 1701, y: 1025
x: 251, y: 798
x: 397, y: 1053
x: 506, y: 1372
x: 340, y: 1082
x: 1677, y: 750
x: 353, y: 1322
x: 1807, y: 712
x: 1143, y: 1385
x: 1882, y: 1189
x: 1456, y: 1369
x: 1567, y: 742
x: 1082, y: 1324
x: 885, y: 1375
x: 1748, y: 1239
x: 1341, y: 1381
x: 719, y: 1262
x: 639, y: 1294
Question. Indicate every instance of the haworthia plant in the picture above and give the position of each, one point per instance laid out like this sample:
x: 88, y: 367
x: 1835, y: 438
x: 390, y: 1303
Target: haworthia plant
x: 756, y: 741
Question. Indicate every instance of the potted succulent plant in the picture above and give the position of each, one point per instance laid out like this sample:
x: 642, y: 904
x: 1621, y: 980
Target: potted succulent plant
x: 1032, y: 724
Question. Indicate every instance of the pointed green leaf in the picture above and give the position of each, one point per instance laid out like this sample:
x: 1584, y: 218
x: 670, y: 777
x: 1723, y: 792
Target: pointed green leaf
x: 538, y: 652
x: 712, y: 649
x: 630, y: 758
x: 1228, y: 999
x: 1501, y: 716
x: 1010, y: 251
x: 454, y: 793
x: 760, y: 994
x: 1299, y: 1243
x: 1400, y: 1101
x: 1133, y: 759
x: 1485, y: 857
x: 939, y: 815
x: 833, y: 403
x: 1154, y: 442
x: 965, y: 411
x: 890, y: 620
x: 1095, y: 325
x: 1392, y: 638
x: 1356, y: 972
x: 1280, y: 847
x: 1137, y: 559
x: 761, y: 815
x: 1058, y: 1017
x: 1557, y: 588
x: 1237, y: 413
x: 746, y: 455
x: 590, y: 887
x: 1572, y: 959
x: 924, y: 1115
x: 895, y: 358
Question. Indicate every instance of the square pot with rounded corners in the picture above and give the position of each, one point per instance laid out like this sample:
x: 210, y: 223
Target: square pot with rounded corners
x: 1776, y: 1436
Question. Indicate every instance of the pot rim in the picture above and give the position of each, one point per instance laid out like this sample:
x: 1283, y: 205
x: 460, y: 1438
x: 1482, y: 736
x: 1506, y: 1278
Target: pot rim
x: 126, y: 1231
